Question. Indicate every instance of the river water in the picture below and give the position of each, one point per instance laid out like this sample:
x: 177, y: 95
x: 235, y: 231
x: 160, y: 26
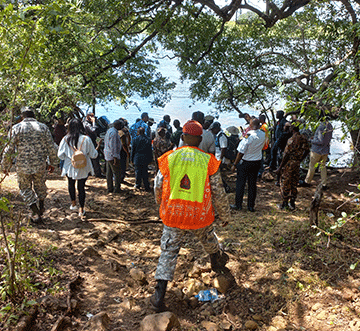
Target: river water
x: 182, y: 106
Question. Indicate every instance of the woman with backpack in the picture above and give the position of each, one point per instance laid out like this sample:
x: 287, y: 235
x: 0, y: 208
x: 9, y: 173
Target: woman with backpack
x: 77, y: 150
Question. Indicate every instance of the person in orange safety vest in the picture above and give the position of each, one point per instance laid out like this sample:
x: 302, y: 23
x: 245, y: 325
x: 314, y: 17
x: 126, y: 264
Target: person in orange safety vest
x: 188, y: 186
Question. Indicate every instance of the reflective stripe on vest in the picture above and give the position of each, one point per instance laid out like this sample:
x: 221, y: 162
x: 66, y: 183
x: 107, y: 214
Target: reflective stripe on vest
x: 186, y: 200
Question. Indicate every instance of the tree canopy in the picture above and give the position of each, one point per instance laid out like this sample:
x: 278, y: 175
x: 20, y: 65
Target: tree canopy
x: 59, y: 54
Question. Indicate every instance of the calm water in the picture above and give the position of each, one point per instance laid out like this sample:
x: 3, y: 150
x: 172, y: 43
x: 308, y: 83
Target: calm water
x: 181, y: 107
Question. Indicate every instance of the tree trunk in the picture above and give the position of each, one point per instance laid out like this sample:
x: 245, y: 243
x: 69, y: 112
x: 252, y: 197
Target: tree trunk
x: 355, y: 137
x: 315, y: 204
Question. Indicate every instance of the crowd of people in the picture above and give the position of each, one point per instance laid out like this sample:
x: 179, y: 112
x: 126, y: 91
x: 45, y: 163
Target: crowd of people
x: 247, y: 151
x: 191, y: 166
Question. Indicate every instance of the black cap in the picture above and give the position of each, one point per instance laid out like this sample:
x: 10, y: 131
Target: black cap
x: 215, y: 125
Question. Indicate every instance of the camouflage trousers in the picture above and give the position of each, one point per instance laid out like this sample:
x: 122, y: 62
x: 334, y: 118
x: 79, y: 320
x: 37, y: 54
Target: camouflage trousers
x: 171, y: 241
x: 289, y: 180
x: 32, y: 187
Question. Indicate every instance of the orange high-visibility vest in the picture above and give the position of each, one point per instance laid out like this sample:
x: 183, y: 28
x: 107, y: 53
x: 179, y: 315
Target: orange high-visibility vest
x: 264, y: 128
x: 186, y: 198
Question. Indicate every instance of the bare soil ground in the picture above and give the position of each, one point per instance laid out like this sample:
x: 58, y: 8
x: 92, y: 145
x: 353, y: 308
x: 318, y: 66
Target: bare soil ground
x: 287, y: 277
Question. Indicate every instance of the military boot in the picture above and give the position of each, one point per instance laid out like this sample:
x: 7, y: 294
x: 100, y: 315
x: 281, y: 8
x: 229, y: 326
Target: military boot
x: 157, y: 299
x: 36, y: 213
x: 218, y: 261
x: 41, y: 207
x: 283, y: 206
x: 292, y: 204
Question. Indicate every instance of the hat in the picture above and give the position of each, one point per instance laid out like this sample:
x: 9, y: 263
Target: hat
x: 215, y: 125
x: 233, y: 130
x: 193, y: 128
x: 209, y: 118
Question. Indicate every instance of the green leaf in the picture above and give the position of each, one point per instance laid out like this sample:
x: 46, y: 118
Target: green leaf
x: 343, y: 214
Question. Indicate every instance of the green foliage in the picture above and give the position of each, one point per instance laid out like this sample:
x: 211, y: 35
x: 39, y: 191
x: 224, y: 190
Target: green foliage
x: 21, y: 267
x: 59, y: 54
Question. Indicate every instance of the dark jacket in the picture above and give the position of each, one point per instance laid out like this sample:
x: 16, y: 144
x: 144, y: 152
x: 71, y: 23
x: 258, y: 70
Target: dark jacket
x: 280, y: 128
x: 141, y: 151
x: 283, y: 139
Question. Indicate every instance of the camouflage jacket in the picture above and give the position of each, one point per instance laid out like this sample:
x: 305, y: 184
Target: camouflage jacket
x: 297, y: 147
x: 33, y: 144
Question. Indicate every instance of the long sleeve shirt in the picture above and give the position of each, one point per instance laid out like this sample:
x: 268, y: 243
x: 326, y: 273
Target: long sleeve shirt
x: 33, y: 143
x: 65, y: 153
x: 320, y: 144
x: 138, y: 124
x: 112, y: 144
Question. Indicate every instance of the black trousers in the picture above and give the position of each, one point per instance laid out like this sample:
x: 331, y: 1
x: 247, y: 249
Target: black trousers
x: 123, y: 161
x: 80, y: 188
x: 247, y: 171
x: 142, y: 175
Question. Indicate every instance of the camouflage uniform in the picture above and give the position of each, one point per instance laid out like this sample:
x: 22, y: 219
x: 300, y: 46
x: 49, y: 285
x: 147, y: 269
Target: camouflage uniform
x: 172, y: 237
x: 33, y: 144
x: 297, y: 146
x: 161, y: 145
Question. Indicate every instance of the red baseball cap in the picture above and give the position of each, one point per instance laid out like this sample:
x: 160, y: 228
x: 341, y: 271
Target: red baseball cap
x: 193, y: 128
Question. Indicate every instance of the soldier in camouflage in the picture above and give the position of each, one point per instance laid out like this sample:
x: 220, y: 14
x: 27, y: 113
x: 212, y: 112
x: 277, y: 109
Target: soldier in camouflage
x: 173, y: 235
x: 33, y: 144
x: 296, y: 150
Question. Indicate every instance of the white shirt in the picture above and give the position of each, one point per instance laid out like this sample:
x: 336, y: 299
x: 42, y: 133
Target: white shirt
x: 223, y: 142
x: 65, y: 152
x: 252, y: 146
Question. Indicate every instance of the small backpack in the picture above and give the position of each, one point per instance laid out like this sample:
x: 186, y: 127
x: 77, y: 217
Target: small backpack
x: 232, y: 144
x: 78, y: 159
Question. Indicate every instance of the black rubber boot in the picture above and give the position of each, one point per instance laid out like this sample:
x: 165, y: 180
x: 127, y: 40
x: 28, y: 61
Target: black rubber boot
x: 292, y: 204
x: 36, y: 212
x: 41, y: 207
x: 218, y: 261
x: 283, y: 206
x: 157, y: 299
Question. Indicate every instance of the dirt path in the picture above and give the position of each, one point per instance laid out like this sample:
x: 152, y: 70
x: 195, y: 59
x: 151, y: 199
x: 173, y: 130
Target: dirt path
x: 286, y: 277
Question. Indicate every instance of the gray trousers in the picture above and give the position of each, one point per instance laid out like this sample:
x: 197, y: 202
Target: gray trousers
x: 32, y: 187
x: 171, y: 241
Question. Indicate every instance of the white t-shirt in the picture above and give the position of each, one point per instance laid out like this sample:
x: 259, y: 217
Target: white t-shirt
x: 252, y: 146
x: 223, y: 142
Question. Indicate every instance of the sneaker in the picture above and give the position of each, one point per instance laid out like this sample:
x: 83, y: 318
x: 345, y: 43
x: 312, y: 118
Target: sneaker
x: 73, y: 207
x: 82, y: 214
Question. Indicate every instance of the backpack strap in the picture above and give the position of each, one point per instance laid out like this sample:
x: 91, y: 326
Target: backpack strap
x: 76, y: 149
x: 82, y: 143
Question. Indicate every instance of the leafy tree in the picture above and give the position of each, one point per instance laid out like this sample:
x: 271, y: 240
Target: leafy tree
x: 309, y: 59
x: 59, y: 53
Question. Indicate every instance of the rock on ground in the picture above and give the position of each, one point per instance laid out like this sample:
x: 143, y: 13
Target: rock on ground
x: 99, y: 322
x: 159, y: 322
